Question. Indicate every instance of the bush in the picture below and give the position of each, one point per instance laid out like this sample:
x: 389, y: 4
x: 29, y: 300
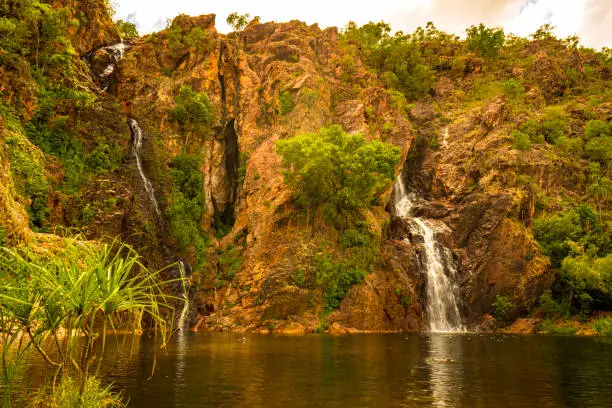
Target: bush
x: 68, y: 395
x: 502, y: 309
x: 599, y: 149
x: 572, y: 146
x: 193, y: 111
x: 230, y: 262
x: 28, y: 172
x: 521, y: 141
x: 552, y: 130
x: 338, y: 169
x: 597, y: 128
x: 486, y: 41
x: 532, y: 128
x: 126, y: 29
x: 548, y: 305
x: 353, y: 238
x: 603, y: 326
x: 103, y: 157
x: 335, y: 278
x: 285, y: 100
x: 579, y: 225
x: 513, y: 89
x: 187, y: 203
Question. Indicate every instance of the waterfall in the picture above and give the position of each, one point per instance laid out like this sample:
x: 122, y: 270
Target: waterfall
x: 137, y: 147
x: 438, y: 266
x: 185, y: 296
x: 116, y: 51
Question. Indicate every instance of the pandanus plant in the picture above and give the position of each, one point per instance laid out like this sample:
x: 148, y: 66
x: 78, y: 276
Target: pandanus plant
x: 62, y: 304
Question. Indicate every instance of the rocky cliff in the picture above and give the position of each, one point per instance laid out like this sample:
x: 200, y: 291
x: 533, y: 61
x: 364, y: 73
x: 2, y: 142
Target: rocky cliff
x: 254, y: 268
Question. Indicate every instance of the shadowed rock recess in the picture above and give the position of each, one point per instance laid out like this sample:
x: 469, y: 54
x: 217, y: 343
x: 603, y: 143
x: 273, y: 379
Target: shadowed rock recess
x: 210, y: 109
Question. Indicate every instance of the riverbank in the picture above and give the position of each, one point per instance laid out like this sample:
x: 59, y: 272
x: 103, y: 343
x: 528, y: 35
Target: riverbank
x: 575, y: 325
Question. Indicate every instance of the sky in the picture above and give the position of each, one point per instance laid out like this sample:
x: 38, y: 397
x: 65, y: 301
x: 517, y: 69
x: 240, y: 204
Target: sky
x: 589, y: 19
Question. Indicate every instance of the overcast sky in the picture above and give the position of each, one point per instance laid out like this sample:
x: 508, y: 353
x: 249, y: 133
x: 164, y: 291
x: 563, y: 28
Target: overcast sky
x: 590, y: 19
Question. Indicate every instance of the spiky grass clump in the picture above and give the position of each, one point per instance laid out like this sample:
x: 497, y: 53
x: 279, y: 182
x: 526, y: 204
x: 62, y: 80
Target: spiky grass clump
x: 65, y: 301
x: 68, y: 395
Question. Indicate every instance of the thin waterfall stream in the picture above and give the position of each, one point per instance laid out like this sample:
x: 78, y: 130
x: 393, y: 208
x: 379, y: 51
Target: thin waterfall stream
x: 185, y: 296
x: 441, y: 274
x: 137, y: 148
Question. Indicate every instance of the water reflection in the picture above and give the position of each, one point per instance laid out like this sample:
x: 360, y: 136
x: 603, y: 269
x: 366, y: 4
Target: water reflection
x: 440, y: 370
x: 444, y: 360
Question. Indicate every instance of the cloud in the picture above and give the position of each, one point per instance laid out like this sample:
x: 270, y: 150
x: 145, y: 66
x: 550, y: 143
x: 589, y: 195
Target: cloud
x: 590, y: 19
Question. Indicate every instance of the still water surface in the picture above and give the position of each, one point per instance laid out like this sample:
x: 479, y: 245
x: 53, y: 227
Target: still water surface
x: 439, y: 370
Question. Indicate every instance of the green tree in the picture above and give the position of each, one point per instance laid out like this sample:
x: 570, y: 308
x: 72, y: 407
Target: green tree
x: 486, y: 41
x: 193, y: 112
x: 335, y: 168
x: 502, y: 309
x: 126, y: 29
x: 238, y: 21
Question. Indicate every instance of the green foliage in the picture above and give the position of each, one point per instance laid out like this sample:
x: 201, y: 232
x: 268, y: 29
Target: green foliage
x: 230, y: 262
x: 343, y: 171
x: 603, y: 326
x: 521, y: 141
x: 193, y: 111
x: 242, y: 169
x: 581, y: 226
x: 187, y: 204
x: 285, y: 100
x: 548, y: 305
x: 28, y: 172
x: 398, y: 59
x: 238, y: 21
x: 398, y: 100
x: 579, y: 245
x: 196, y: 40
x: 599, y: 149
x: 502, y: 309
x: 10, y: 118
x: 486, y: 41
x: 544, y: 32
x: 552, y: 130
x: 54, y: 132
x: 586, y: 280
x: 126, y: 29
x: 335, y: 277
x: 549, y: 327
x: 597, y: 128
x: 513, y: 89
x: 298, y: 278
x: 58, y: 294
x: 104, y: 157
x: 352, y: 238
x: 68, y: 394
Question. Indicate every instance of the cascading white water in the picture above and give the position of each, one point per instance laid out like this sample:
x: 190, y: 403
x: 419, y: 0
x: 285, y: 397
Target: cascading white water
x: 136, y: 147
x: 442, y: 289
x: 185, y: 296
x: 116, y: 51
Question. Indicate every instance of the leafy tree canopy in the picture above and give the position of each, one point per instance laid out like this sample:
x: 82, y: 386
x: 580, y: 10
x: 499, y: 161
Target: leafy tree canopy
x: 336, y: 168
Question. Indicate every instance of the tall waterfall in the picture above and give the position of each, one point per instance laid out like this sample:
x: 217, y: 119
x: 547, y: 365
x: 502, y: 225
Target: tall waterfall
x: 137, y: 147
x: 184, y: 295
x: 442, y: 288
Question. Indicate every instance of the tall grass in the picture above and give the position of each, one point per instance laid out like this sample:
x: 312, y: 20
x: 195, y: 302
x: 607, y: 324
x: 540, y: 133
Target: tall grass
x: 63, y: 302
